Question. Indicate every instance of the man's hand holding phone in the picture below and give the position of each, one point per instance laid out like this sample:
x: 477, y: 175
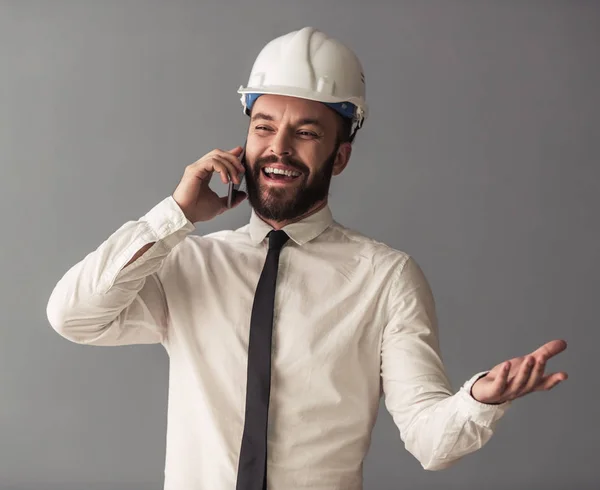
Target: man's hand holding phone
x: 193, y: 194
x: 233, y: 188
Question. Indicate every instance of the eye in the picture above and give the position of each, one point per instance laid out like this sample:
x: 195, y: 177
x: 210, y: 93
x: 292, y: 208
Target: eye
x: 309, y: 134
x: 262, y: 128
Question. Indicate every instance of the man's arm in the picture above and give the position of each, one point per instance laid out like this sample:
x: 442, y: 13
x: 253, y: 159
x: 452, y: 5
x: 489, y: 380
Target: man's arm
x: 114, y: 296
x: 437, y: 426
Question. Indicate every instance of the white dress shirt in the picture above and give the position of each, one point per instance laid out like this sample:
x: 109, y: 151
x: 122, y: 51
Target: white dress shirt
x: 354, y: 320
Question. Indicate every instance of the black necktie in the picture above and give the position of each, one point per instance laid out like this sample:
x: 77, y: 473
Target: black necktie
x: 252, y: 467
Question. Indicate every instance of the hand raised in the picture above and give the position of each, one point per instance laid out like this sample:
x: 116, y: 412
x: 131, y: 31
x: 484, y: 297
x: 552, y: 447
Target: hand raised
x: 519, y: 376
x: 193, y: 194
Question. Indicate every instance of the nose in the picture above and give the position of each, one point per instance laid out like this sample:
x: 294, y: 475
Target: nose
x: 281, y: 144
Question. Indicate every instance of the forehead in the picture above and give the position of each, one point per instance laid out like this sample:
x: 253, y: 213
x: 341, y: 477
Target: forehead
x: 281, y: 107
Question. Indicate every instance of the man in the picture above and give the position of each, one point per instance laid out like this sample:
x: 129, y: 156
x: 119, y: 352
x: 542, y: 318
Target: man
x: 282, y: 335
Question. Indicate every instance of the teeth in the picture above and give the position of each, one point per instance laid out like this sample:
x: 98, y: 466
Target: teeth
x: 289, y: 173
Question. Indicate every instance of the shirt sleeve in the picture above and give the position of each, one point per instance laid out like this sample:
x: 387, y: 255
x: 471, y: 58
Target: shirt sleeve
x: 97, y: 302
x: 437, y: 426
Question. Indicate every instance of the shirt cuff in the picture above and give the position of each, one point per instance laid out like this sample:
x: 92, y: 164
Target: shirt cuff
x: 165, y: 219
x: 484, y: 413
x: 165, y: 224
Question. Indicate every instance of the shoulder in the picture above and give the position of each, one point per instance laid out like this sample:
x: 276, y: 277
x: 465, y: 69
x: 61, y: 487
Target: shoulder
x: 402, y: 270
x: 376, y: 250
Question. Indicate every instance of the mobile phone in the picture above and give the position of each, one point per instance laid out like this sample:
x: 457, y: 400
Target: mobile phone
x: 234, y: 188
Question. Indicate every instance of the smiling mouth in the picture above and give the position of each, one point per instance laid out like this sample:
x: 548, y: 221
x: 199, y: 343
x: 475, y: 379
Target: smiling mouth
x: 277, y: 175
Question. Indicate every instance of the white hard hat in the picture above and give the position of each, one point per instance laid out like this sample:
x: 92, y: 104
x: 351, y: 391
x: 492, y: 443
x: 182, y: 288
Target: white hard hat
x: 309, y: 65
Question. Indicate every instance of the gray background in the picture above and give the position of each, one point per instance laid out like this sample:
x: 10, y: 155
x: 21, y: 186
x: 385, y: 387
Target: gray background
x: 480, y: 158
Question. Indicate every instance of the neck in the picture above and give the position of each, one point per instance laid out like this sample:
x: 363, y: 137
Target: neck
x: 278, y: 225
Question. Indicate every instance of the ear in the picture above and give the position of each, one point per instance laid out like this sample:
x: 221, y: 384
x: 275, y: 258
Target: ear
x: 342, y: 158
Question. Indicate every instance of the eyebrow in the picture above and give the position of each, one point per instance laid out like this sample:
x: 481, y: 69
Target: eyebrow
x: 302, y: 122
x: 260, y: 115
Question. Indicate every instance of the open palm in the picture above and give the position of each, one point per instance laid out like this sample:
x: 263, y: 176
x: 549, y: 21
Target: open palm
x: 519, y: 376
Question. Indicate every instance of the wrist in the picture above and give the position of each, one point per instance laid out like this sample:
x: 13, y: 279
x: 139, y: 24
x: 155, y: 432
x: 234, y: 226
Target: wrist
x: 477, y: 399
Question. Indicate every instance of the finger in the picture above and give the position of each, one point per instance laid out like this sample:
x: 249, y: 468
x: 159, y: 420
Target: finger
x: 550, y: 381
x: 227, y: 171
x: 550, y: 349
x: 233, y: 159
x: 221, y: 169
x: 236, y: 151
x: 203, y: 168
x: 232, y: 170
x: 535, y: 377
x: 520, y: 380
x: 501, y: 381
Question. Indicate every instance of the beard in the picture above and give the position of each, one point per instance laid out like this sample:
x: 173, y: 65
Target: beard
x: 285, y: 203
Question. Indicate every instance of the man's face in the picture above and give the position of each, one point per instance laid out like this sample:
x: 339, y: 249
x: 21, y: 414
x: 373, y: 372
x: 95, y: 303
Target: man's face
x: 291, y: 135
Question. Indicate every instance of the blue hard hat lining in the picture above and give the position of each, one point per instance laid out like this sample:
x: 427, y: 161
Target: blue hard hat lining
x: 346, y: 109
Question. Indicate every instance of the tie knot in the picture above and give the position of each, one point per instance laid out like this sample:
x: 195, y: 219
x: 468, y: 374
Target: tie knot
x: 277, y: 239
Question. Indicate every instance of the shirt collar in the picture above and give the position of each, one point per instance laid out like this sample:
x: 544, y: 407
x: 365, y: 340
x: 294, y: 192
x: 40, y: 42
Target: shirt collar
x: 300, y: 232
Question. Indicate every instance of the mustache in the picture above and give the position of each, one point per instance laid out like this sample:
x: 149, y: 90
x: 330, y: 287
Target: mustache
x: 285, y: 160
